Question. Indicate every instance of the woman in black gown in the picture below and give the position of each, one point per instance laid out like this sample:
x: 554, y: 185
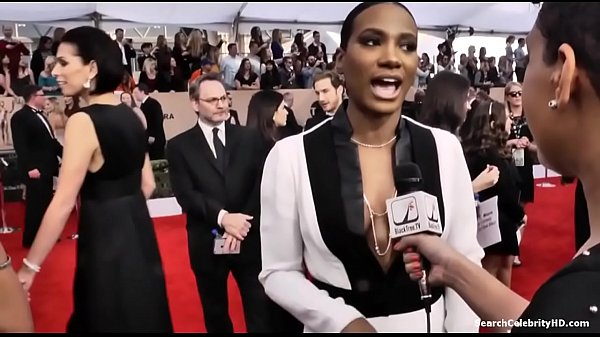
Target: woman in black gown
x: 267, y: 114
x: 562, y: 100
x: 119, y: 282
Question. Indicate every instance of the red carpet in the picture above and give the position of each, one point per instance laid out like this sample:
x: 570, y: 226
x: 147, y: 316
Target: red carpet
x: 548, y: 243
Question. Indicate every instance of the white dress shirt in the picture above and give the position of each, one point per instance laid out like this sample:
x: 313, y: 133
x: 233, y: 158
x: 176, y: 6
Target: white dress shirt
x: 39, y: 115
x: 123, y: 58
x: 207, y: 130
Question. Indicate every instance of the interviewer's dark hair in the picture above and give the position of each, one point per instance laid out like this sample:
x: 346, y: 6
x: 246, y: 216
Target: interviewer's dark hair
x: 478, y: 134
x: 348, y: 25
x: 575, y: 23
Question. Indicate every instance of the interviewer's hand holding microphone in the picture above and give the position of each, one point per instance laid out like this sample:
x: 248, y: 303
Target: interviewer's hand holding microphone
x: 414, y: 225
x: 437, y: 252
x: 423, y: 241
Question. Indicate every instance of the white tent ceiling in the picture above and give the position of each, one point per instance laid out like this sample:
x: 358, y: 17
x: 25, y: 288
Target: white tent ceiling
x: 483, y: 17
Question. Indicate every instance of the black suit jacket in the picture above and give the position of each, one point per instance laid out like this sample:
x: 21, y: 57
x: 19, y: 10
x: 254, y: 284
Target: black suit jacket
x: 129, y: 54
x: 35, y: 147
x: 316, y: 119
x: 233, y: 117
x: 313, y: 50
x: 154, y: 119
x: 202, y: 189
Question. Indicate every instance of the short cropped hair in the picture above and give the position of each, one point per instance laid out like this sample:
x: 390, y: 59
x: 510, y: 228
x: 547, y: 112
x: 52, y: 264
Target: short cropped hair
x: 336, y: 81
x: 194, y: 89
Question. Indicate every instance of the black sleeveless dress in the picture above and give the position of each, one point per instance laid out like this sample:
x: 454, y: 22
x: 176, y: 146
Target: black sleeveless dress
x: 119, y: 282
x: 519, y: 129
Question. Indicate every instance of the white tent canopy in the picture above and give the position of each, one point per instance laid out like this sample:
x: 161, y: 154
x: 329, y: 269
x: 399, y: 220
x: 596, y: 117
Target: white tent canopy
x: 483, y: 17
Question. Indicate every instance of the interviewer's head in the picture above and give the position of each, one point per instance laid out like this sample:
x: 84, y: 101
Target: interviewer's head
x: 378, y: 56
x: 561, y: 90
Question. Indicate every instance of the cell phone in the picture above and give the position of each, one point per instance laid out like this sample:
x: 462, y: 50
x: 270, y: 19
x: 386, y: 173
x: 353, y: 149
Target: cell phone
x: 219, y: 248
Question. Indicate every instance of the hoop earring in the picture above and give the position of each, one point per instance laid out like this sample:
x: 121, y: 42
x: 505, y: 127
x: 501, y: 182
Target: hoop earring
x: 552, y: 104
x: 87, y: 84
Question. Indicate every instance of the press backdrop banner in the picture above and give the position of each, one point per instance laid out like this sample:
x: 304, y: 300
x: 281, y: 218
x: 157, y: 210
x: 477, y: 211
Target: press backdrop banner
x: 178, y: 115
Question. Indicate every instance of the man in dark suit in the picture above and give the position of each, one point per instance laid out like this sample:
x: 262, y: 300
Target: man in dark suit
x: 329, y: 90
x: 317, y: 46
x: 154, y: 119
x: 214, y: 171
x: 234, y: 118
x: 127, y: 51
x: 38, y: 153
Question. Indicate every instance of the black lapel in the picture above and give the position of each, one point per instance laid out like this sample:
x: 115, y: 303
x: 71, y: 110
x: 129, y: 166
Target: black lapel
x: 43, y: 126
x: 332, y: 207
x: 424, y: 153
x: 205, y: 148
x: 336, y: 197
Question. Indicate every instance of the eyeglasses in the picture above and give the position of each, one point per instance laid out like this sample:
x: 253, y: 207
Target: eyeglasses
x: 515, y: 94
x: 214, y: 100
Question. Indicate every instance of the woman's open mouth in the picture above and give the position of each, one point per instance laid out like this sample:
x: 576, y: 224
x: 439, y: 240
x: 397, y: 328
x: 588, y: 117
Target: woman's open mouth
x: 386, y: 87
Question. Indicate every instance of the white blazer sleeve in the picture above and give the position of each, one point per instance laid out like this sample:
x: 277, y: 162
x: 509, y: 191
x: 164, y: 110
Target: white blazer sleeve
x: 283, y: 275
x: 461, y: 222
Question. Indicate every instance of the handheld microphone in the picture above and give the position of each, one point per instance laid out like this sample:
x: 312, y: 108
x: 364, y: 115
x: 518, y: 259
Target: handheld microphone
x: 413, y: 211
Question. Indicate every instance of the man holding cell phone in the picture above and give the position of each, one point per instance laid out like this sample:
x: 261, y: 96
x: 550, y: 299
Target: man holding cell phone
x: 215, y: 175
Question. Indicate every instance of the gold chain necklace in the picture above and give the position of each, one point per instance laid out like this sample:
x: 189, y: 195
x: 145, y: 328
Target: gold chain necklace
x: 373, y: 146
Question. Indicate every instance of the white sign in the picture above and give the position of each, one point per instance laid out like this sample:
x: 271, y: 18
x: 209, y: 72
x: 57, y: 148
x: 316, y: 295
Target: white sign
x: 488, y: 225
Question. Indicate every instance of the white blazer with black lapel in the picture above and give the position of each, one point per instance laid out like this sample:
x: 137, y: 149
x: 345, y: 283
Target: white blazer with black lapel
x: 311, y: 215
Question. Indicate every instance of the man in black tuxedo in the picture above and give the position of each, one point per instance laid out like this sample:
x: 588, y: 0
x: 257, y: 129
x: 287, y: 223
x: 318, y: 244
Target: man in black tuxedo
x: 330, y: 92
x: 38, y: 153
x: 154, y: 120
x: 215, y: 176
x: 234, y: 118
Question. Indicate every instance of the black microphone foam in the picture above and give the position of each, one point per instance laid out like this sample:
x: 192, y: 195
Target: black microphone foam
x: 408, y: 178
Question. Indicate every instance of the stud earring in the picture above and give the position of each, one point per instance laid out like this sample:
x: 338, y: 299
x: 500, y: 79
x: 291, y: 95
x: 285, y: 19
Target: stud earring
x: 553, y: 104
x: 87, y: 84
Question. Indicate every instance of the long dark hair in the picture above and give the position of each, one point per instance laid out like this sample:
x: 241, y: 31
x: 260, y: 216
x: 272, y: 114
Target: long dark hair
x: 242, y: 68
x: 444, y: 102
x: 261, y: 109
x: 485, y: 130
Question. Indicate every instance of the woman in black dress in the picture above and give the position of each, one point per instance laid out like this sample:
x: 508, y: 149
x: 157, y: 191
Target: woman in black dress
x: 562, y: 95
x: 484, y: 143
x: 520, y: 140
x: 119, y: 282
x: 268, y: 115
x: 246, y: 78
